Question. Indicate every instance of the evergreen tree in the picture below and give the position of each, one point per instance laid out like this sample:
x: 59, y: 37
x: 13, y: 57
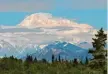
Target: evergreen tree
x: 12, y: 57
x: 35, y: 59
x: 86, y: 61
x: 59, y: 58
x: 75, y: 61
x: 53, y: 57
x: 29, y: 58
x: 44, y: 60
x: 99, y: 53
x: 100, y: 40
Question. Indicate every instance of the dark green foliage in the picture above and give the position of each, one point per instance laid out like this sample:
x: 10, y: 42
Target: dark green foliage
x: 53, y: 58
x: 29, y: 58
x: 99, y: 53
x: 86, y: 61
x: 44, y: 60
x: 12, y: 57
x: 100, y: 40
x: 59, y: 58
x: 10, y: 63
x: 91, y: 51
x: 75, y: 61
x: 35, y: 59
x: 17, y: 66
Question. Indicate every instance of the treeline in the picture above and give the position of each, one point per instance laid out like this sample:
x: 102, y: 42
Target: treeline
x: 58, y: 59
x: 98, y: 65
x: 12, y: 65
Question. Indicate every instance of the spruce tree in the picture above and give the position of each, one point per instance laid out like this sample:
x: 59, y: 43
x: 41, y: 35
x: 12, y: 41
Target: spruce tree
x: 75, y: 61
x: 59, y: 58
x: 35, y: 59
x: 52, y: 57
x: 12, y: 57
x: 99, y: 43
x: 29, y: 59
x: 44, y: 60
x: 86, y: 61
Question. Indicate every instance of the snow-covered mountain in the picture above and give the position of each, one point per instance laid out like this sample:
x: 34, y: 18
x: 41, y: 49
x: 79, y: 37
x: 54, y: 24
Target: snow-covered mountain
x: 48, y: 20
x: 46, y: 28
x: 85, y: 45
x: 8, y: 49
x: 41, y: 29
x: 64, y: 49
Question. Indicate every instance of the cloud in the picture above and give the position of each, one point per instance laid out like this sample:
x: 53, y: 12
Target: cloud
x: 43, y: 28
x: 54, y: 25
x: 19, y: 30
x: 48, y: 21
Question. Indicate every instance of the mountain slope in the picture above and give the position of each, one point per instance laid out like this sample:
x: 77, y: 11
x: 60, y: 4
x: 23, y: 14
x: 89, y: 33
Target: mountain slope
x: 85, y: 45
x: 7, y: 49
x: 65, y: 50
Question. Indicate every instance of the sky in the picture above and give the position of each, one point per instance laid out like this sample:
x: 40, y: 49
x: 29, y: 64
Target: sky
x: 92, y: 12
x: 26, y: 23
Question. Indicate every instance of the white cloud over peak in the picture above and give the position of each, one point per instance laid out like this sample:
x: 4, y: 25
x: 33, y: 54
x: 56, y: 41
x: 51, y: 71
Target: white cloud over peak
x: 43, y: 28
x: 47, y: 20
x: 54, y: 25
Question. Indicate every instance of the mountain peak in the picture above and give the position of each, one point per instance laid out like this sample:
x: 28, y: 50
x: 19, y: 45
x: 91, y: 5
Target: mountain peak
x: 85, y: 45
x: 47, y: 20
x: 64, y: 49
